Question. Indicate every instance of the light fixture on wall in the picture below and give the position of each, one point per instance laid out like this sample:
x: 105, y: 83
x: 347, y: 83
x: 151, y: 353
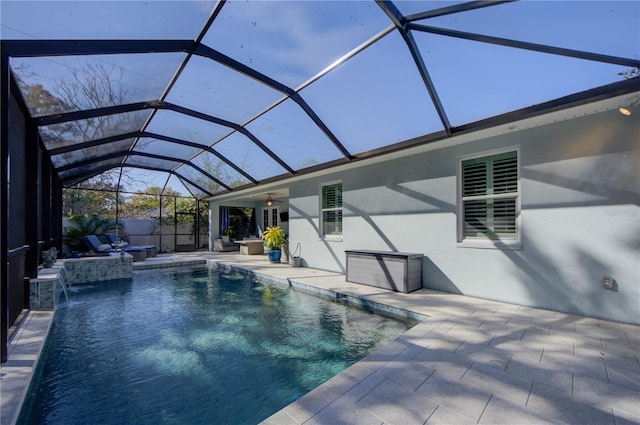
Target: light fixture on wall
x: 269, y: 200
x: 627, y: 109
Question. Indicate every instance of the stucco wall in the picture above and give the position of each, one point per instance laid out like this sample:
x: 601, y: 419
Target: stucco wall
x: 580, y: 218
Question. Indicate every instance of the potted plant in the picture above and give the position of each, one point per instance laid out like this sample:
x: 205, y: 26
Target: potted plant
x: 274, y: 237
x: 228, y: 231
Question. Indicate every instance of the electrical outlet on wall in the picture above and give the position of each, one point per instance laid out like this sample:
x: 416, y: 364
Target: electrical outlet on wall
x: 607, y: 282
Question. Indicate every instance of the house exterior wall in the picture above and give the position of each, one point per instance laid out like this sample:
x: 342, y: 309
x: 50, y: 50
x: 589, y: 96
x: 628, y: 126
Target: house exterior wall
x: 580, y: 217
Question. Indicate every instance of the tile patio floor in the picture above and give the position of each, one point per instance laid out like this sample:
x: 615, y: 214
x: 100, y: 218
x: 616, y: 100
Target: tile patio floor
x: 471, y: 361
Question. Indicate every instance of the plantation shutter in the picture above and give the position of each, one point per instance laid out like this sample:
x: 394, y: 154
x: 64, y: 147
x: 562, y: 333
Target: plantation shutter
x: 505, y: 174
x: 332, y: 209
x: 332, y: 196
x: 489, y: 195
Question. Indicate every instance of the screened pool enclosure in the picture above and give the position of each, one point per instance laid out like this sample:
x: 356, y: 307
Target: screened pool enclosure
x: 211, y: 97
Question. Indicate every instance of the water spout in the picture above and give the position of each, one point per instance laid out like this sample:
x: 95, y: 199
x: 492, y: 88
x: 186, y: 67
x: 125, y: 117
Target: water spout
x: 63, y: 283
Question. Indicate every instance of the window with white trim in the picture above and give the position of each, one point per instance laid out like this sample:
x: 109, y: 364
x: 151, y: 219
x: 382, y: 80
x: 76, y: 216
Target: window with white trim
x: 489, y: 203
x: 331, y: 210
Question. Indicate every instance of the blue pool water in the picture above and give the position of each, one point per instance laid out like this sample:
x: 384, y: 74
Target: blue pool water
x: 193, y: 347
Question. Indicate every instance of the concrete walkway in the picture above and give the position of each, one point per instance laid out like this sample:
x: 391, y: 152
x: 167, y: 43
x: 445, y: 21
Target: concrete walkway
x: 470, y: 361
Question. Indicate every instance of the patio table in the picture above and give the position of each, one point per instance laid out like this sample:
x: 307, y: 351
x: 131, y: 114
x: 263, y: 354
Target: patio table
x: 251, y: 246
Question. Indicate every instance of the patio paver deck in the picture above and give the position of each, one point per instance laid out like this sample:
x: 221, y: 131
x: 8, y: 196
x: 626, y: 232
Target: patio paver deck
x: 471, y: 361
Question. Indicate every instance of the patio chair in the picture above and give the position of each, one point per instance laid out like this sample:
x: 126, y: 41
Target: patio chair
x: 224, y: 243
x: 138, y: 253
x: 114, y: 240
x: 95, y: 245
x: 151, y: 250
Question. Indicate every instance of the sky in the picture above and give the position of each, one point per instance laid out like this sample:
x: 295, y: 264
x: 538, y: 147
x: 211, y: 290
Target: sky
x: 373, y: 99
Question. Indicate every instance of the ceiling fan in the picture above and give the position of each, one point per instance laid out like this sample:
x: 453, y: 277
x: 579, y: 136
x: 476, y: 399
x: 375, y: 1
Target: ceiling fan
x: 271, y: 201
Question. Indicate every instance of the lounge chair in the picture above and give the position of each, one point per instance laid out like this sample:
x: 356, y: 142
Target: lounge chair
x: 95, y: 245
x: 92, y: 241
x: 151, y: 250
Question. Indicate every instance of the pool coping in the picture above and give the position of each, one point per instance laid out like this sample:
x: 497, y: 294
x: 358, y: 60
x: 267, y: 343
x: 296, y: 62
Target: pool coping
x: 25, y: 348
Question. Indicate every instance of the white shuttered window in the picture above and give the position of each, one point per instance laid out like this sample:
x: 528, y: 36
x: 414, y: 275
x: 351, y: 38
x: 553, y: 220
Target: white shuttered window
x: 331, y: 209
x: 490, y: 197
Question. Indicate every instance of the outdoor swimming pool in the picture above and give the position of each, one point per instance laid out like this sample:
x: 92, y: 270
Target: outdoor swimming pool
x: 193, y: 347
